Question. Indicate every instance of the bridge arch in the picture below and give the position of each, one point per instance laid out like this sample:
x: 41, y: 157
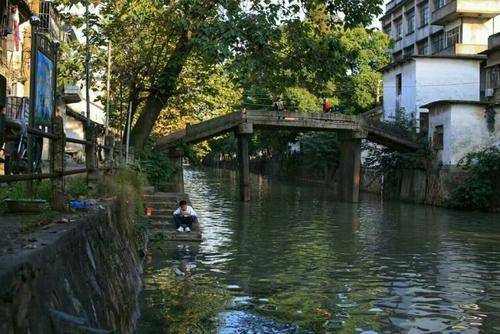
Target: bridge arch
x: 350, y: 128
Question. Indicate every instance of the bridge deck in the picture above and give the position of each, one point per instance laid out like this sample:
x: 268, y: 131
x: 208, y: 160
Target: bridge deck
x: 377, y: 132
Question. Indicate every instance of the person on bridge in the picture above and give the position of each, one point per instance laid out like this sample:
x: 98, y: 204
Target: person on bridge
x: 278, y: 107
x: 184, y: 217
x: 326, y: 105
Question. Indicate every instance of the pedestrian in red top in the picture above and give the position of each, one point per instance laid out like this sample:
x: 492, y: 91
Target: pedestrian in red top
x: 326, y: 105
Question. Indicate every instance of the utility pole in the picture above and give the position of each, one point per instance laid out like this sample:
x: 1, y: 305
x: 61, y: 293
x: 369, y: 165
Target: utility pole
x: 108, y: 88
x: 129, y: 120
x: 87, y: 60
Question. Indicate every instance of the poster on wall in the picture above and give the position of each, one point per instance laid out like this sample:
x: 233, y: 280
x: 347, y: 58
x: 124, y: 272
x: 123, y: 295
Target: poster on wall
x: 44, y: 95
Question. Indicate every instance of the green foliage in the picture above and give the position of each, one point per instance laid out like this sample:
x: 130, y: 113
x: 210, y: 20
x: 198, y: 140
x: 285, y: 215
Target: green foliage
x: 77, y: 186
x: 301, y: 100
x: 156, y: 166
x: 383, y: 161
x: 479, y: 188
x: 19, y: 190
x: 181, y: 55
x: 321, y: 151
x: 126, y: 185
x: 189, y: 304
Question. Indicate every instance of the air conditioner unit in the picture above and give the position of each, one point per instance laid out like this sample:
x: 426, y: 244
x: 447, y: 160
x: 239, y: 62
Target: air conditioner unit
x: 489, y: 92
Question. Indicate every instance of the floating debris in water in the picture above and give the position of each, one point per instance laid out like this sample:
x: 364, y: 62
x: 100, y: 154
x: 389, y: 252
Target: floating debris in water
x: 375, y: 309
x: 347, y: 305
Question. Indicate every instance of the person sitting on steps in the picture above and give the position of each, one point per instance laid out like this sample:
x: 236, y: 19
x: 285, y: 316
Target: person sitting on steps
x: 184, y: 217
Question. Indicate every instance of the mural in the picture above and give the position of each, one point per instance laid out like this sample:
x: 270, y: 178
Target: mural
x: 44, y: 102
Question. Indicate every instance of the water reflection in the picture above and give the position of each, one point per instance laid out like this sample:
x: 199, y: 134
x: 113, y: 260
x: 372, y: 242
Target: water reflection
x: 295, y: 255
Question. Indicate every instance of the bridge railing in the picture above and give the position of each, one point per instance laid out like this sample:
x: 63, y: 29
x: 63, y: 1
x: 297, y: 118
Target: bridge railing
x: 390, y: 129
x: 290, y: 115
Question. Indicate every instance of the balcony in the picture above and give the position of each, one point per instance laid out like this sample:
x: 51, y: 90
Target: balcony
x: 50, y: 21
x: 462, y: 49
x: 393, y: 4
x: 484, y: 9
x: 71, y: 94
x: 494, y: 41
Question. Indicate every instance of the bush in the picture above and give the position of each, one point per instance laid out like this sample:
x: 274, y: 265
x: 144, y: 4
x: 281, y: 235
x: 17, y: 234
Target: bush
x: 77, y: 186
x: 19, y: 190
x: 479, y: 188
x: 321, y: 153
x: 157, y: 167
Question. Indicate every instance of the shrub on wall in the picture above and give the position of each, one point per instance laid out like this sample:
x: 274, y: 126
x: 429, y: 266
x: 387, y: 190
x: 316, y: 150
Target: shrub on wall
x: 479, y: 188
x: 157, y: 167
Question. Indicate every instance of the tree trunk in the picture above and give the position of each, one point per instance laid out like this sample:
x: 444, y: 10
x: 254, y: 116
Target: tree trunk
x: 156, y: 100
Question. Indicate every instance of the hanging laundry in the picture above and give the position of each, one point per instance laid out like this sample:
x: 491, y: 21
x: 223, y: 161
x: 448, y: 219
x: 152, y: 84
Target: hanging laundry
x: 14, y: 12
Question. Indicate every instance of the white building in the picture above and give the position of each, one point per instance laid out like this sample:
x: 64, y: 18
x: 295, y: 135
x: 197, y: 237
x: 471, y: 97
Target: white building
x: 418, y: 80
x: 459, y: 127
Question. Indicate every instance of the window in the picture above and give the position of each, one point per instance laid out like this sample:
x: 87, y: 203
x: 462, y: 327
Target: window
x: 408, y: 51
x: 424, y: 14
x: 453, y: 36
x: 439, y: 3
x: 387, y: 29
x: 493, y: 77
x: 423, y: 47
x: 399, y: 28
x: 397, y: 56
x: 438, y: 42
x: 437, y: 138
x: 410, y: 21
x: 399, y: 84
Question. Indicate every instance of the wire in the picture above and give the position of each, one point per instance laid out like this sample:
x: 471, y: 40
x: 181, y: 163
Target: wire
x: 437, y: 85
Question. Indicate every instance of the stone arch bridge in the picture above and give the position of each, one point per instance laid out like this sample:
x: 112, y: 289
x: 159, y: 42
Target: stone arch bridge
x: 350, y: 129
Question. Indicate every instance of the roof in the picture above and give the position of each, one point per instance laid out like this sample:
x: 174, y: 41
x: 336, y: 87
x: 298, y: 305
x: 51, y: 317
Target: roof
x: 407, y: 59
x: 470, y: 102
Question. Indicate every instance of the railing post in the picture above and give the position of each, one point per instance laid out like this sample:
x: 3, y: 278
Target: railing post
x: 57, y: 147
x: 90, y: 154
x: 108, y: 151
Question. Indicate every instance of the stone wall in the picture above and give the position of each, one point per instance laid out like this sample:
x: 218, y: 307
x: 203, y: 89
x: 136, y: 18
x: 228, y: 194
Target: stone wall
x: 415, y: 185
x: 83, y: 277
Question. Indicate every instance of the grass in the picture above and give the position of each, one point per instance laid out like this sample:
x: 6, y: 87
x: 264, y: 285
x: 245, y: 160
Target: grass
x: 77, y: 186
x: 19, y: 190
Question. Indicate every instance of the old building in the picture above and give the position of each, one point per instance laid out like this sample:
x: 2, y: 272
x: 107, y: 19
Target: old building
x: 435, y: 52
x: 457, y: 127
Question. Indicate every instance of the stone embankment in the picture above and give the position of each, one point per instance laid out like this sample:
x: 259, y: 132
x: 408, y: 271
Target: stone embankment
x: 80, y: 277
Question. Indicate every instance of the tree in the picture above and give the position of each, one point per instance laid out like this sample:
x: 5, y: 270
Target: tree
x: 154, y: 40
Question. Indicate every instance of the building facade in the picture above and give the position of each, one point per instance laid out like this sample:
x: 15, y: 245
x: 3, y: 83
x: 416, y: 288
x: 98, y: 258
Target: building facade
x: 459, y: 127
x: 418, y: 80
x: 446, y: 68
x: 440, y: 27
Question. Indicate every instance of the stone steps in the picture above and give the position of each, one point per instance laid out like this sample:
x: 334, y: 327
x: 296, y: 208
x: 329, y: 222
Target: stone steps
x: 169, y: 197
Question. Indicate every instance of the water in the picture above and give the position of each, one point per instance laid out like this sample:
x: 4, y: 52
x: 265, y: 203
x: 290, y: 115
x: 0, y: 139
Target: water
x: 297, y: 261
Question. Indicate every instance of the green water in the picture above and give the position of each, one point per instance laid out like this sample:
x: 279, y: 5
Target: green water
x: 295, y: 260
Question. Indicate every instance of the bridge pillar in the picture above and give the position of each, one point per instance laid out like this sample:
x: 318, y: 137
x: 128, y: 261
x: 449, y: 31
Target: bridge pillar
x: 244, y: 134
x: 349, y: 172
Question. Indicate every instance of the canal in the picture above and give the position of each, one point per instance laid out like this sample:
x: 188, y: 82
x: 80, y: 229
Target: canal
x: 294, y: 260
